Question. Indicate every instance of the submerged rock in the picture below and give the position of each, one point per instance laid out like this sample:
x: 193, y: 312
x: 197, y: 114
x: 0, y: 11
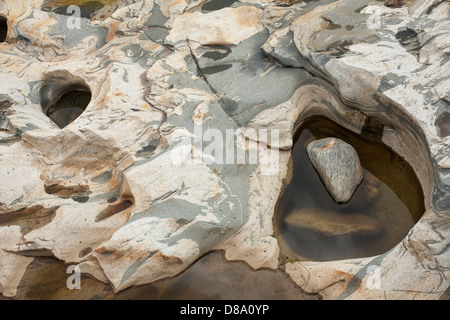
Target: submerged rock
x: 338, y: 166
x: 371, y: 187
x: 330, y: 223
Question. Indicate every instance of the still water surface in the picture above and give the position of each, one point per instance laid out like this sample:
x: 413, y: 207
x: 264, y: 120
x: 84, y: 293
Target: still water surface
x: 390, y: 194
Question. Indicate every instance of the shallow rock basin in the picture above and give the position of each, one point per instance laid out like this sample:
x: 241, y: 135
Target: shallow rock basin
x: 384, y: 208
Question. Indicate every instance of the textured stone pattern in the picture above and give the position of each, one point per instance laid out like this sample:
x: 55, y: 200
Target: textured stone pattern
x: 103, y: 193
x: 338, y: 166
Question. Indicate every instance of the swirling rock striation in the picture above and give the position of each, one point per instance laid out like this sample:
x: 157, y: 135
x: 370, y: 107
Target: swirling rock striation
x: 116, y: 192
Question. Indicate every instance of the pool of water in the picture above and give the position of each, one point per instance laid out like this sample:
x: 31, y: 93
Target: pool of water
x: 390, y: 194
x: 211, y: 277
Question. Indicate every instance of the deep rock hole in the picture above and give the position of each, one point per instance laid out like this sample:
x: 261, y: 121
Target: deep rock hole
x: 311, y: 225
x: 3, y: 29
x: 87, y: 8
x: 113, y: 209
x: 63, y: 103
x: 217, y: 5
x: 408, y: 39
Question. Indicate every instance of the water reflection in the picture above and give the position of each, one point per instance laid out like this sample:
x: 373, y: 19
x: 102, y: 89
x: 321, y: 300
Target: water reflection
x: 211, y: 277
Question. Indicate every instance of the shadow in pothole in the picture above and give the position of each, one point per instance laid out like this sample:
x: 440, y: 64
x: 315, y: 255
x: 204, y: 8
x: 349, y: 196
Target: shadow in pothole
x: 3, y: 29
x: 87, y: 8
x: 64, y: 97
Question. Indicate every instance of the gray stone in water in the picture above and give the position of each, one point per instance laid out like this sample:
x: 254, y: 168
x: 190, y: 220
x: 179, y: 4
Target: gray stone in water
x: 338, y: 166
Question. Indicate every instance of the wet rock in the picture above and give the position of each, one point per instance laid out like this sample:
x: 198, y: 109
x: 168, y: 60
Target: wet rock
x: 330, y: 223
x: 338, y: 166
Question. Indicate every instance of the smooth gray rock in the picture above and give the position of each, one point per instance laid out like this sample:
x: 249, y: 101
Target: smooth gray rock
x: 243, y: 77
x: 338, y: 166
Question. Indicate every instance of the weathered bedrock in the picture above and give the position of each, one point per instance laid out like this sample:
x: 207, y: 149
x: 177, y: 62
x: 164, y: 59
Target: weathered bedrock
x: 112, y: 186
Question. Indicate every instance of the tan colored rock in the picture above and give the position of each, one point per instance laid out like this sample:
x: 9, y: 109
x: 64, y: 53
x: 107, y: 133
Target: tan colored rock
x: 370, y: 192
x: 12, y: 265
x: 330, y: 279
x: 371, y: 179
x: 444, y: 163
x: 371, y: 188
x: 329, y: 223
x: 223, y: 27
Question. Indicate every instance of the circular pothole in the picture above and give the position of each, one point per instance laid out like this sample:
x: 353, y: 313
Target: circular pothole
x: 383, y: 209
x: 64, y: 99
x: 3, y: 29
x: 69, y: 107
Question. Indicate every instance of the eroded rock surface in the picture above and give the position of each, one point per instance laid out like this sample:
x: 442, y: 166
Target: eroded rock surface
x: 116, y: 192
